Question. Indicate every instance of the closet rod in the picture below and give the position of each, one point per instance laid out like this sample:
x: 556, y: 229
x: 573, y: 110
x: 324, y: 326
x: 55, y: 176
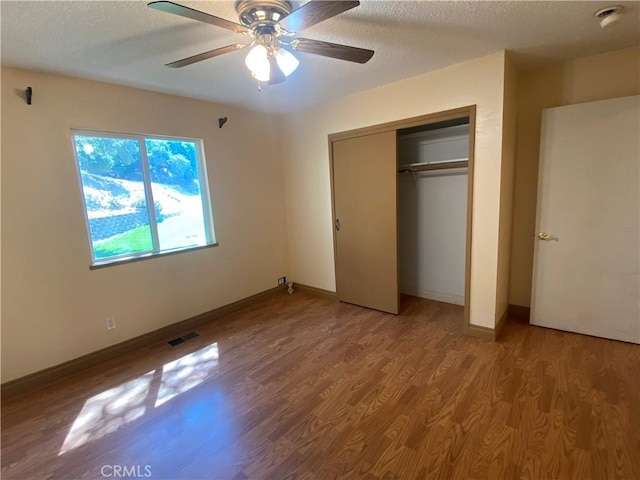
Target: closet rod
x: 435, y: 166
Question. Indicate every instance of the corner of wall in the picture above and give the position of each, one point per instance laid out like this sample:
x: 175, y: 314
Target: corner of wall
x: 282, y: 153
x: 507, y: 178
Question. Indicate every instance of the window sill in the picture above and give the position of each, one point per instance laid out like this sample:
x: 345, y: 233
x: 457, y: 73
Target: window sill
x: 147, y: 256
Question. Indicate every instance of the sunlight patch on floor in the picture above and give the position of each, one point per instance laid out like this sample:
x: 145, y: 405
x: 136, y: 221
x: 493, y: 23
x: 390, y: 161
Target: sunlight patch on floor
x: 187, y: 372
x: 107, y: 411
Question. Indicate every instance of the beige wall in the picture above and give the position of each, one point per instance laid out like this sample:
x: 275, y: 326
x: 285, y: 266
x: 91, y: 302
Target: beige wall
x: 509, y: 131
x: 599, y: 77
x: 53, y: 306
x: 306, y: 167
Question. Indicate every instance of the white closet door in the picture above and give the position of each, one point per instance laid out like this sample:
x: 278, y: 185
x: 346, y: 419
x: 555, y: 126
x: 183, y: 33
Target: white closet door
x: 586, y: 261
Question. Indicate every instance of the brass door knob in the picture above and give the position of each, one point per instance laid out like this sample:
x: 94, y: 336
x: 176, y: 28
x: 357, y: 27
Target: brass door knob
x: 546, y: 236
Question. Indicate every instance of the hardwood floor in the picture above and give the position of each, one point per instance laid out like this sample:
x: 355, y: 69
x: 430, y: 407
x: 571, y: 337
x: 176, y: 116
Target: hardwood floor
x: 303, y: 387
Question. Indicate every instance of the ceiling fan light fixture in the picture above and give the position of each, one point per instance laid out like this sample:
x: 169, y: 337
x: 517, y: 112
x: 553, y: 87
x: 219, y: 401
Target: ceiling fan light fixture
x: 276, y: 76
x: 257, y: 61
x: 286, y: 61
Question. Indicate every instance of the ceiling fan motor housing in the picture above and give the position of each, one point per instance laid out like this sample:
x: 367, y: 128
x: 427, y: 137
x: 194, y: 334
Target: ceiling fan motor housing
x: 262, y: 13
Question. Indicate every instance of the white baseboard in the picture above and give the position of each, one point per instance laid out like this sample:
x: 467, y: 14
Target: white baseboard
x: 431, y: 295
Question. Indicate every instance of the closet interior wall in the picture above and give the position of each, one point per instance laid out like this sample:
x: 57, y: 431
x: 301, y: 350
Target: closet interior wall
x: 432, y: 210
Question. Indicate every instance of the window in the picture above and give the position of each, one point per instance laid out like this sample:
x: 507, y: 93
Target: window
x: 142, y: 195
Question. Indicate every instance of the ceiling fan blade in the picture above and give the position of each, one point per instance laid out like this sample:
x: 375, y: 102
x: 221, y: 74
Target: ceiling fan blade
x: 203, y: 56
x: 314, y: 12
x: 170, y: 7
x: 333, y: 50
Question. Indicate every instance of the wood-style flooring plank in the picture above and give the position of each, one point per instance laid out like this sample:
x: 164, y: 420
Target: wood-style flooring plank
x: 308, y: 388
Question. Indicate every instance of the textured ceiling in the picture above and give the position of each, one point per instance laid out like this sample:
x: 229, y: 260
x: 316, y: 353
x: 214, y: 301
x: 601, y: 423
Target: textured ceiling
x: 129, y: 43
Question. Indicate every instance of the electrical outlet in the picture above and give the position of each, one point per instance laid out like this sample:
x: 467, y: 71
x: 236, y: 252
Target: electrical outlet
x: 111, y: 323
x: 282, y: 280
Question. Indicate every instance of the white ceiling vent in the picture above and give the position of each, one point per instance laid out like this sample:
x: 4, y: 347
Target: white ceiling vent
x: 609, y: 16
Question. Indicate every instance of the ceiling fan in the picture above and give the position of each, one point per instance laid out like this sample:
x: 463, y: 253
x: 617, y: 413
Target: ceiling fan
x: 272, y: 26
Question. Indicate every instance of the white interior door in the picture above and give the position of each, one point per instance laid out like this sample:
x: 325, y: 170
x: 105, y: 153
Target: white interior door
x: 586, y: 259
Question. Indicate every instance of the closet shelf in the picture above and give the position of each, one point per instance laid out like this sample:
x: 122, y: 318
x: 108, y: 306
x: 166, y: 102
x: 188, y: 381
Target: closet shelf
x: 425, y: 167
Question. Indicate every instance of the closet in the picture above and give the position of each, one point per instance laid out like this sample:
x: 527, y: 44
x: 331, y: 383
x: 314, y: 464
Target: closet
x: 401, y: 203
x: 432, y: 210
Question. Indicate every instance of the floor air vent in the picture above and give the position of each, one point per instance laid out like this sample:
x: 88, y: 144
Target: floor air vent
x: 182, y: 339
